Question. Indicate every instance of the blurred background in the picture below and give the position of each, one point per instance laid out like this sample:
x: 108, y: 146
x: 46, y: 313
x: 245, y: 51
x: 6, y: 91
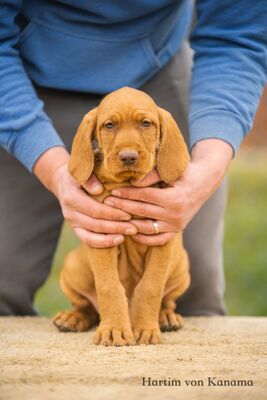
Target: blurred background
x: 245, y: 247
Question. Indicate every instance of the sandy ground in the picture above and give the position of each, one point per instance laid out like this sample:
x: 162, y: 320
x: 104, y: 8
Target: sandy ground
x: 37, y: 362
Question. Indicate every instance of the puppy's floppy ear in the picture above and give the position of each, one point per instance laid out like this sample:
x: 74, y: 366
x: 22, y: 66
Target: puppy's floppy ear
x: 173, y: 156
x: 81, y: 161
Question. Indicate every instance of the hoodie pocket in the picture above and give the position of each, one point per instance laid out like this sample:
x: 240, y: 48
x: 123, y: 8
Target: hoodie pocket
x: 27, y: 31
x: 88, y: 63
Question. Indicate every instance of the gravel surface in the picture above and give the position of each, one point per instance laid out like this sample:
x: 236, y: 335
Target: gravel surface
x: 220, y: 356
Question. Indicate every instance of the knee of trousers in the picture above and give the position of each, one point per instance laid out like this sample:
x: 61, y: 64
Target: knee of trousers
x: 21, y: 275
x: 15, y: 299
x: 205, y: 295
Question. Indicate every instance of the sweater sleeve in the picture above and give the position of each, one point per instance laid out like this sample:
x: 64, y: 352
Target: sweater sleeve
x: 229, y: 71
x: 25, y: 129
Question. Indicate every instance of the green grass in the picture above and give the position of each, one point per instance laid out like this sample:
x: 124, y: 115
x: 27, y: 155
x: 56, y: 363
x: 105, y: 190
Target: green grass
x: 245, y: 243
x: 246, y: 236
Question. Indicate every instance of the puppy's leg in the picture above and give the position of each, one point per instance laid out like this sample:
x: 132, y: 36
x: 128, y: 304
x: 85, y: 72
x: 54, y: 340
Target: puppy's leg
x: 76, y: 280
x: 146, y: 302
x: 177, y: 283
x: 115, y: 327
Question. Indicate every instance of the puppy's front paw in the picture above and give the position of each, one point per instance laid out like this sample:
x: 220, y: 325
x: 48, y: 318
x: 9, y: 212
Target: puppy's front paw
x: 147, y: 335
x: 109, y: 336
x: 72, y: 321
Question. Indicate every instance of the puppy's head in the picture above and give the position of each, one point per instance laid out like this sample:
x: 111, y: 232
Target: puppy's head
x: 133, y: 136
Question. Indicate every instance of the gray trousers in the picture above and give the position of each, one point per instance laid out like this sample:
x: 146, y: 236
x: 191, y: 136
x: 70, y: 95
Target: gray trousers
x: 31, y: 219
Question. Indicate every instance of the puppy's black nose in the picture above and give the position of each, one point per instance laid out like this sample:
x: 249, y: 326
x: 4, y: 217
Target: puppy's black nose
x: 128, y: 157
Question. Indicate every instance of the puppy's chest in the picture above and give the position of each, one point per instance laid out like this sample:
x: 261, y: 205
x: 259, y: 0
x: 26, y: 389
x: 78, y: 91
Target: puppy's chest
x: 132, y: 257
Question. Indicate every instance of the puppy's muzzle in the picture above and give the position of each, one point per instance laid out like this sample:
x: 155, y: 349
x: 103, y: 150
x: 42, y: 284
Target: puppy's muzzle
x: 128, y: 158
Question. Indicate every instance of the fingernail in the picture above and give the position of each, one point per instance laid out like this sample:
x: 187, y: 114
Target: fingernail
x: 138, y: 180
x: 118, y: 240
x: 130, y: 231
x: 125, y: 218
x: 96, y: 189
x: 109, y: 203
x: 116, y: 193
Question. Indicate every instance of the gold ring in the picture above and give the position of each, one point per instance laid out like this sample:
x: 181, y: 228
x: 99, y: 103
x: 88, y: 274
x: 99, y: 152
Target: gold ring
x: 156, y: 227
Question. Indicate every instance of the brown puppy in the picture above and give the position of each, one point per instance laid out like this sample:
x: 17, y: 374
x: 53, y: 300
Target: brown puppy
x: 134, y: 136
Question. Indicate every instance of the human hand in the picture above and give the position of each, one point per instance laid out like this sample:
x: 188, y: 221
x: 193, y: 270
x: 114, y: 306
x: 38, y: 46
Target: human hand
x: 174, y: 206
x: 96, y: 224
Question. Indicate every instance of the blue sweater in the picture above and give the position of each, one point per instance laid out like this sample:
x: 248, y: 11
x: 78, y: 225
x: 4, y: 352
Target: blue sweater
x: 98, y: 46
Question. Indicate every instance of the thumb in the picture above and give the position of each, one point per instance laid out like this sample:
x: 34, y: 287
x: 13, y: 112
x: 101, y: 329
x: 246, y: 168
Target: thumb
x: 150, y: 179
x: 93, y: 186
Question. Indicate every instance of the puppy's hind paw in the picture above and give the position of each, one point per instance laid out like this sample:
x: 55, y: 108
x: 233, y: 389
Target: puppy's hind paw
x: 169, y: 321
x: 72, y: 321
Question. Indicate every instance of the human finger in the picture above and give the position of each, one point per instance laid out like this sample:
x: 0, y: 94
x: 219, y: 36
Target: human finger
x: 148, y: 195
x: 150, y: 179
x: 153, y: 240
x: 137, y: 208
x: 93, y: 185
x: 98, y: 240
x: 101, y: 225
x: 147, y: 227
x: 81, y: 202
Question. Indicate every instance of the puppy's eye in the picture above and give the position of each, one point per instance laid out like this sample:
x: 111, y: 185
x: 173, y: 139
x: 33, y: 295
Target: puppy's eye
x: 109, y: 125
x: 145, y: 123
